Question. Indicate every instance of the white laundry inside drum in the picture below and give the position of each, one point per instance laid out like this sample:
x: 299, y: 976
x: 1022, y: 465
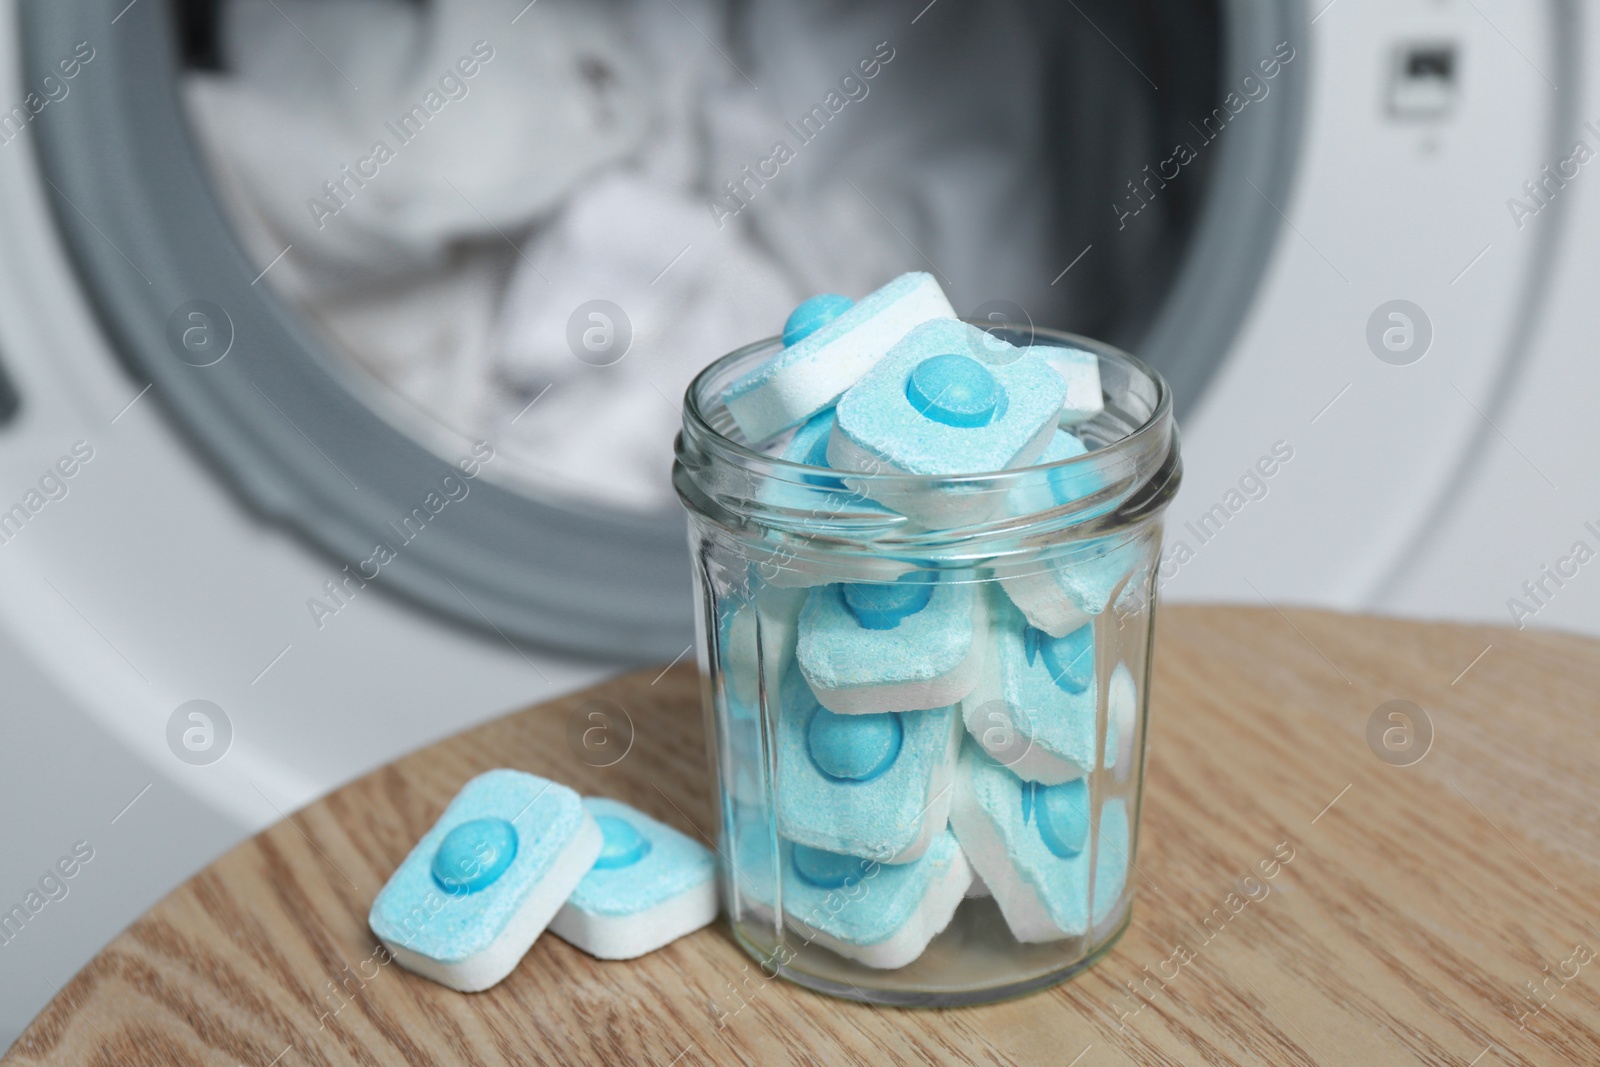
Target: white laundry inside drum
x: 533, y: 163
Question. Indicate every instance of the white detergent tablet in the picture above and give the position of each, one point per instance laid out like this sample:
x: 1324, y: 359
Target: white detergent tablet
x: 1066, y: 483
x: 478, y: 889
x: 873, y: 786
x: 1081, y: 371
x: 949, y: 400
x: 650, y: 886
x: 1031, y: 845
x: 757, y: 636
x: 818, y: 493
x: 830, y: 352
x: 906, y: 645
x: 1122, y: 719
x: 757, y: 648
x: 878, y: 914
x: 1035, y: 710
x: 1062, y: 593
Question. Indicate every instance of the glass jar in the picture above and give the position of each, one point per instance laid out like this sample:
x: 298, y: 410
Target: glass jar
x: 928, y: 740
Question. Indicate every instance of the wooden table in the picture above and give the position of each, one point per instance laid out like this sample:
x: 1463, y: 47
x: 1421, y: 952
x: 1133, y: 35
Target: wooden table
x: 1420, y: 903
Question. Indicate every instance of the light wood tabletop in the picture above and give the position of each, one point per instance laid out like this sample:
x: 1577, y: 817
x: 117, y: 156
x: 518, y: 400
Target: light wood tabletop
x: 1435, y: 910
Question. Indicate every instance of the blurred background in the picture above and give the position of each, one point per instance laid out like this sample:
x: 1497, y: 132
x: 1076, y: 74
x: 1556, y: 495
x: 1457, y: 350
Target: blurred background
x: 342, y: 341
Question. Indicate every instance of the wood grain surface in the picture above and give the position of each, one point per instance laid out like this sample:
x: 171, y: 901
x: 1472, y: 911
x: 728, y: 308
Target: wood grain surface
x: 1439, y: 913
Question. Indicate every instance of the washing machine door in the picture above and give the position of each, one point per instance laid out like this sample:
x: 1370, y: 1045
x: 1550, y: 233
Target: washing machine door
x: 1121, y: 235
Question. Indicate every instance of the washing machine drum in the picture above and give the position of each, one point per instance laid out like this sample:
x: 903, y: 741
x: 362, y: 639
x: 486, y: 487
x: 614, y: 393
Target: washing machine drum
x: 424, y: 282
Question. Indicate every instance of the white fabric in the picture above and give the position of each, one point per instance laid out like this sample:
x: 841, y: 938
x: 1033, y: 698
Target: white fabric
x: 312, y: 85
x: 580, y: 163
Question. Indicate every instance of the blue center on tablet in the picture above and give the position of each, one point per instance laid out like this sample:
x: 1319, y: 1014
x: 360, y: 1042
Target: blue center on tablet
x: 854, y: 748
x: 827, y: 870
x: 1060, y: 813
x: 881, y: 605
x: 473, y: 855
x: 956, y: 391
x: 811, y: 315
x: 1069, y: 659
x: 623, y: 845
x: 818, y: 457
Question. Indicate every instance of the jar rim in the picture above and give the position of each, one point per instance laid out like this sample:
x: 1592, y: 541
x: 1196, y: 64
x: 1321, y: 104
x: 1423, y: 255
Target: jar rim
x: 1160, y: 412
x: 718, y: 474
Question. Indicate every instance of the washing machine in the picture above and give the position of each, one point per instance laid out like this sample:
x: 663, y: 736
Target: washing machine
x: 312, y: 453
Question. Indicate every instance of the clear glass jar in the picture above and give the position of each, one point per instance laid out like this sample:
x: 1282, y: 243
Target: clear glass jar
x: 838, y: 858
